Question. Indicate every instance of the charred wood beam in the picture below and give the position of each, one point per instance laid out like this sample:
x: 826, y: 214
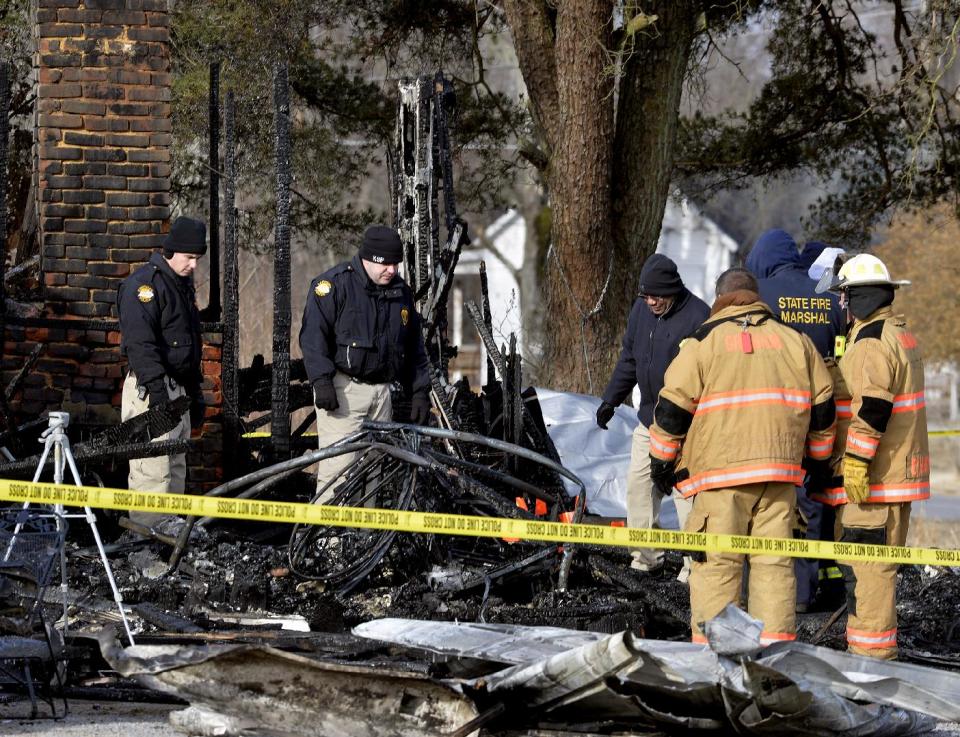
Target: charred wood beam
x: 31, y: 263
x: 213, y: 310
x: 494, y: 355
x: 487, y: 317
x: 229, y: 376
x: 164, y: 620
x: 30, y: 321
x: 444, y: 104
x: 84, y: 452
x: 280, y: 428
x: 24, y: 370
x: 516, y: 400
x: 40, y: 422
x: 4, y: 137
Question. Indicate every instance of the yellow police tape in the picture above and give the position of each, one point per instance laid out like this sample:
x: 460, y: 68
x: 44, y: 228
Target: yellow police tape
x: 260, y: 434
x: 466, y: 525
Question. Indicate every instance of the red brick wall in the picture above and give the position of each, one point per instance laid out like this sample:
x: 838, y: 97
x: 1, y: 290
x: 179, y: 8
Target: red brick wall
x: 102, y: 181
x: 103, y: 145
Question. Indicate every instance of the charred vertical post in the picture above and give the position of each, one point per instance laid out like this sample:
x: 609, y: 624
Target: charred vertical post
x: 487, y: 318
x: 231, y: 289
x: 213, y: 304
x: 280, y: 432
x: 4, y: 135
x: 517, y: 396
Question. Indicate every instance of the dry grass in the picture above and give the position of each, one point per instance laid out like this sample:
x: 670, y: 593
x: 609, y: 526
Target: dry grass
x: 932, y: 533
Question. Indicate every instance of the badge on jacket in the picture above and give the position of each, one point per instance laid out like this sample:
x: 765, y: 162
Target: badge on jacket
x: 323, y: 288
x: 145, y: 293
x: 404, y: 316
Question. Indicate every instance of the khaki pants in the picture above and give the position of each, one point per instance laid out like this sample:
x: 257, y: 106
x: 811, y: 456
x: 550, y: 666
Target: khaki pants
x: 164, y: 474
x: 872, y: 587
x: 763, y: 510
x: 358, y: 402
x: 643, y: 504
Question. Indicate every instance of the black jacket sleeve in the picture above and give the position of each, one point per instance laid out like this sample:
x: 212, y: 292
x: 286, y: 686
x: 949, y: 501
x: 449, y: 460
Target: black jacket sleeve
x: 625, y: 372
x: 140, y: 331
x: 317, y: 331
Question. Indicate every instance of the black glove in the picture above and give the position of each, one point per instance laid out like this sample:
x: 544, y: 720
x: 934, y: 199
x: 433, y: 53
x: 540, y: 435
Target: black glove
x: 604, y: 414
x: 662, y: 475
x: 324, y: 395
x: 157, y: 391
x: 197, y: 411
x: 420, y: 409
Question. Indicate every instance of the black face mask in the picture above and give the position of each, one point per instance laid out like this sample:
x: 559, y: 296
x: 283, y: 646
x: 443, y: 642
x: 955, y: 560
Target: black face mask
x: 864, y: 301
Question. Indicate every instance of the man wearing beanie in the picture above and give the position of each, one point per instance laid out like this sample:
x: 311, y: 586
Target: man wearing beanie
x: 665, y: 313
x: 160, y: 336
x: 885, y: 460
x: 360, y: 333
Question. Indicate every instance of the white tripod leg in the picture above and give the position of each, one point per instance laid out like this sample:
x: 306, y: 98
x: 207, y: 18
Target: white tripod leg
x: 92, y: 521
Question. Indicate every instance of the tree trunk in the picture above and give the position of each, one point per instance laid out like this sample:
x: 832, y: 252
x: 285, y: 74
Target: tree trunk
x: 650, y: 91
x: 607, y: 183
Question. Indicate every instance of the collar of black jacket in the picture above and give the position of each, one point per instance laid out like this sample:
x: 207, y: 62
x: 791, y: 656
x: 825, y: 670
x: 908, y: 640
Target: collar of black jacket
x: 387, y: 290
x: 679, y: 300
x: 163, y: 267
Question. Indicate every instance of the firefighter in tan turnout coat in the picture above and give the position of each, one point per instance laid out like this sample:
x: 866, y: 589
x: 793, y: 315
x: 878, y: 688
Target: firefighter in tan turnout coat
x: 883, y: 456
x: 743, y: 402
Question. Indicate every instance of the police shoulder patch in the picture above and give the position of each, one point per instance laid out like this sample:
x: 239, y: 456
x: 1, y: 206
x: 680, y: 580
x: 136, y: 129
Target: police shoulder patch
x: 145, y: 293
x: 323, y: 288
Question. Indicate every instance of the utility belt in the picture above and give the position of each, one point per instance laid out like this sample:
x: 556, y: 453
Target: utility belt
x: 368, y: 381
x: 375, y: 380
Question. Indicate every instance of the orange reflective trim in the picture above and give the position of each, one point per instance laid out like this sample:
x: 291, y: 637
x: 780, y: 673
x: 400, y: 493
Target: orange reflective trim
x: 768, y: 638
x: 905, y: 492
x: 758, y: 474
x: 663, y: 448
x: 872, y: 640
x: 843, y: 409
x: 908, y: 402
x: 831, y: 497
x: 862, y: 444
x: 821, y: 449
x: 771, y: 395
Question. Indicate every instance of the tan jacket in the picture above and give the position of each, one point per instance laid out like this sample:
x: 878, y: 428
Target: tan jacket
x: 746, y: 398
x: 834, y: 495
x: 883, y: 371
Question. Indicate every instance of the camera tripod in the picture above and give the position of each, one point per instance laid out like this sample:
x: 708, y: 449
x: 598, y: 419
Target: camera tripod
x: 54, y: 437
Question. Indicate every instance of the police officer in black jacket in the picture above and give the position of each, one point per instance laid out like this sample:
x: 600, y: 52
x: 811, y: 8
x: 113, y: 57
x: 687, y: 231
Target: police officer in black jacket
x: 360, y: 333
x: 160, y: 336
x: 664, y: 315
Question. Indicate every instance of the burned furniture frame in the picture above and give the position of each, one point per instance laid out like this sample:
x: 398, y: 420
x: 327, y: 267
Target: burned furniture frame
x: 30, y: 545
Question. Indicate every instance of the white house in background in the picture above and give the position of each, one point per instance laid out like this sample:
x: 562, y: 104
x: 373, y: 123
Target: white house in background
x: 697, y: 245
x: 700, y: 249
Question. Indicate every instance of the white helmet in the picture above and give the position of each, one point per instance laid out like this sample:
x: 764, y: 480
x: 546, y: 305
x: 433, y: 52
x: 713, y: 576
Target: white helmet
x: 862, y: 270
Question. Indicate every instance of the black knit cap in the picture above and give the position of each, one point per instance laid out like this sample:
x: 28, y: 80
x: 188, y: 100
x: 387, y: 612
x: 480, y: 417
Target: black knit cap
x: 186, y: 236
x: 659, y: 277
x: 381, y: 245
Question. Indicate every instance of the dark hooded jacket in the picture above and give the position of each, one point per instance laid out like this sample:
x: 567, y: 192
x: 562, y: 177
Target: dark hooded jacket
x: 790, y: 292
x: 649, y: 345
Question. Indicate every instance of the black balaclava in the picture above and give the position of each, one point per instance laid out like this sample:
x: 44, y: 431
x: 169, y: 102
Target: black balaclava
x: 864, y: 300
